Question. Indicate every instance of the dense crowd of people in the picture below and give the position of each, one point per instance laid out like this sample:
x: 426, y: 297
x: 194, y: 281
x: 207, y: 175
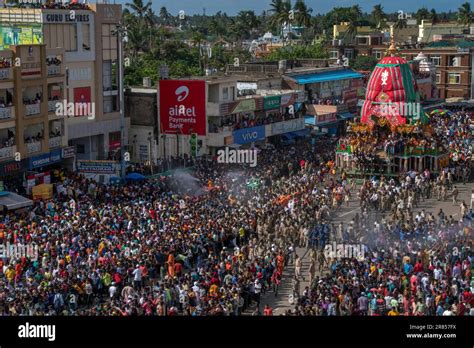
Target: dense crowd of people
x: 214, y: 240
x: 149, y: 250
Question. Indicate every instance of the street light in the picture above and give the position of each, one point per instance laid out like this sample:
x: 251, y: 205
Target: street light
x: 121, y: 31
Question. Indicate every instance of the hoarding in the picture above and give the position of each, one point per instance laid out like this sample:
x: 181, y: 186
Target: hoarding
x: 248, y: 135
x: 20, y: 35
x: 98, y: 167
x: 182, y: 107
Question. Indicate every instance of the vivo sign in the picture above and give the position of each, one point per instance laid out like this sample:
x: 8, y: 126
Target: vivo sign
x: 248, y: 135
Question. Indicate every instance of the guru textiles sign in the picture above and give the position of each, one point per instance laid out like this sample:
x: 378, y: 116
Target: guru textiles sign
x: 248, y: 135
x: 182, y: 107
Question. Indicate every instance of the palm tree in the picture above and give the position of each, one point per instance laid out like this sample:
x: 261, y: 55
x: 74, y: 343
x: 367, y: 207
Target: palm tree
x: 434, y: 16
x: 281, y: 14
x: 139, y: 8
x: 421, y: 14
x: 465, y: 15
x: 164, y: 15
x: 400, y: 23
x: 378, y: 15
x: 302, y: 14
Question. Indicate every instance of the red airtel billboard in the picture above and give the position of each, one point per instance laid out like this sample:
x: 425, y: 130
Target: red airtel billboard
x: 183, y: 107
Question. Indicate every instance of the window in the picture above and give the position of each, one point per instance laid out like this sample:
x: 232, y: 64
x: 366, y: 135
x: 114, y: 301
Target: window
x: 333, y: 54
x: 111, y: 104
x: 436, y: 60
x: 438, y: 78
x: 362, y: 40
x: 378, y: 54
x: 86, y: 39
x: 454, y: 79
x: 80, y: 148
x: 454, y: 61
x: 225, y: 93
x: 61, y: 36
x: 349, y: 54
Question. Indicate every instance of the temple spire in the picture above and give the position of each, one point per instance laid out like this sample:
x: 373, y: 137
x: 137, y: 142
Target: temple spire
x: 392, y: 50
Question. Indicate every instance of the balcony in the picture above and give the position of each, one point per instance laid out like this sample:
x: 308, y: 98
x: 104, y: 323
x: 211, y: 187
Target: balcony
x: 52, y: 105
x: 34, y: 147
x: 55, y: 142
x: 32, y: 109
x: 7, y: 152
x: 5, y: 74
x: 7, y: 113
x: 54, y: 70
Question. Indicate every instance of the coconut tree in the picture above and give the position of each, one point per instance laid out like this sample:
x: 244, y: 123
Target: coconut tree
x: 421, y: 14
x: 139, y: 8
x: 378, y: 15
x: 164, y: 15
x: 465, y: 15
x: 302, y: 13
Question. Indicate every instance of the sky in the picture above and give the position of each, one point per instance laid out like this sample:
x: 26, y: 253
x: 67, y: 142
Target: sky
x: 231, y: 7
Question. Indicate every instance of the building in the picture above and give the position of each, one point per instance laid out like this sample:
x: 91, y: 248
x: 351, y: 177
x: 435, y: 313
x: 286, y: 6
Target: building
x: 331, y: 94
x: 240, y: 111
x: 53, y: 57
x: 141, y: 106
x: 453, y: 61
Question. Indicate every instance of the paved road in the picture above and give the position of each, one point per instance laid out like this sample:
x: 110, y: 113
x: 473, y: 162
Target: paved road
x: 280, y: 304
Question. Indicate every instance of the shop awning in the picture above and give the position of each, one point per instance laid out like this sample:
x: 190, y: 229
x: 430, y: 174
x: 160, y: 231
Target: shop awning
x: 310, y: 120
x: 346, y: 115
x: 327, y: 76
x: 301, y: 133
x: 13, y: 201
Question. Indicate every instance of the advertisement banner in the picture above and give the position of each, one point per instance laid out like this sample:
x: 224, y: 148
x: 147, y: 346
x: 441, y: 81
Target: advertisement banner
x: 20, y: 35
x: 288, y: 126
x: 248, y: 135
x: 98, y: 167
x: 183, y: 107
x: 45, y: 159
x: 69, y: 152
x: 245, y: 106
x: 327, y: 118
x: 271, y: 102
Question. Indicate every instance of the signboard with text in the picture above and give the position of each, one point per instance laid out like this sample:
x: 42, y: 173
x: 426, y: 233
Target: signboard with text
x: 270, y: 103
x: 98, y: 167
x: 182, y: 107
x: 248, y: 135
x: 288, y: 126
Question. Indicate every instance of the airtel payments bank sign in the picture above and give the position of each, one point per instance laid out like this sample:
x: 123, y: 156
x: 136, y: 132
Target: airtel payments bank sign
x: 183, y: 107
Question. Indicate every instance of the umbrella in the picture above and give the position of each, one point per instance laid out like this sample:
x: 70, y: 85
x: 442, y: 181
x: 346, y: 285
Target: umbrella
x: 135, y: 176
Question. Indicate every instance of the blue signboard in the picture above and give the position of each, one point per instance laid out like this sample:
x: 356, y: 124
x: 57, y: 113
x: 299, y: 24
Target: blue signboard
x: 45, y: 159
x: 248, y: 135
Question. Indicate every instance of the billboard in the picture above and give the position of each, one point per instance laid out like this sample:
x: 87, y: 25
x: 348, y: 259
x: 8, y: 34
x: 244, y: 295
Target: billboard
x: 20, y: 35
x: 98, y: 167
x: 183, y: 107
x: 248, y: 135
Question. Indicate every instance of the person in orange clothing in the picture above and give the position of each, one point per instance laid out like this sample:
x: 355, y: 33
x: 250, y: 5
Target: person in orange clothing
x: 280, y: 263
x: 267, y: 311
x: 171, y: 269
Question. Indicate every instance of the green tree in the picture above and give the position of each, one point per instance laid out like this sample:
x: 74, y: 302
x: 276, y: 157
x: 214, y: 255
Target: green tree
x: 139, y: 8
x: 364, y: 63
x: 378, y: 15
x: 302, y: 13
x: 421, y: 14
x: 465, y: 15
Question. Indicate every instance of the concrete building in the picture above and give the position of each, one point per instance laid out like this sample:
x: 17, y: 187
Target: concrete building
x: 59, y: 56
